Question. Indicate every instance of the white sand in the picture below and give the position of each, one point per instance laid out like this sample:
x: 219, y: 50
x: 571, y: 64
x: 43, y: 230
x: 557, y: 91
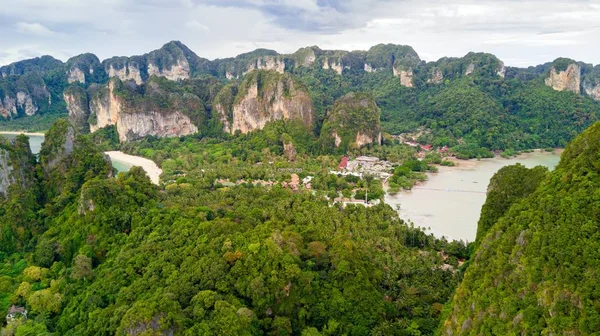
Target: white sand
x: 17, y: 133
x: 149, y: 166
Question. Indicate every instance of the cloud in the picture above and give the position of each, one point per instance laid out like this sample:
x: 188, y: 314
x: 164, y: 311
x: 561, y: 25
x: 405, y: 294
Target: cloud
x: 34, y: 29
x: 524, y: 32
x: 195, y: 25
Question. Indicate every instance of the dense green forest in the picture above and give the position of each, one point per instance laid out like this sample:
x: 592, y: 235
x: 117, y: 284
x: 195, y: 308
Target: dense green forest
x: 535, y: 270
x: 91, y: 254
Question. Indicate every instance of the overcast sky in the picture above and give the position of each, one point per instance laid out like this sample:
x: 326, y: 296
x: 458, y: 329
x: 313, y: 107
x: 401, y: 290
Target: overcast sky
x: 521, y: 33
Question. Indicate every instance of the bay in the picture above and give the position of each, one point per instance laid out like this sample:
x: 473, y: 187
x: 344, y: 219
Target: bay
x: 449, y: 203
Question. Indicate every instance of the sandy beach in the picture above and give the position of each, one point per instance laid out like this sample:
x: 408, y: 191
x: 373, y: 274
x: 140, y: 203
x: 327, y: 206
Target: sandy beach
x: 17, y: 133
x: 149, y: 166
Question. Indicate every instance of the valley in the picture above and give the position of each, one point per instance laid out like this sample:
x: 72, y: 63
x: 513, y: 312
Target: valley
x: 320, y: 192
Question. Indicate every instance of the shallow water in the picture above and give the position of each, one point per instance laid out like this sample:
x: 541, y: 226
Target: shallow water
x: 449, y: 203
x: 35, y: 142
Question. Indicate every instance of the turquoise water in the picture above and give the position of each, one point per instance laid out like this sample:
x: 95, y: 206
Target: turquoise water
x: 35, y: 142
x: 121, y: 166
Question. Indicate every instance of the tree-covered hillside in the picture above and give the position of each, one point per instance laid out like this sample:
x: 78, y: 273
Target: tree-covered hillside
x: 535, y: 271
x: 87, y: 253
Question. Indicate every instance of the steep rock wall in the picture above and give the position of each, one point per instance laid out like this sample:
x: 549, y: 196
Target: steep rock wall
x: 175, y: 72
x: 128, y: 72
x: 565, y: 80
x: 135, y: 120
x: 354, y: 121
x: 265, y: 96
x: 77, y: 105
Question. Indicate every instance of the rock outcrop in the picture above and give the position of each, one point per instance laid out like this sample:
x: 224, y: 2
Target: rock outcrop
x: 21, y: 102
x: 77, y: 105
x: 354, y: 121
x: 157, y: 112
x: 125, y: 70
x: 58, y: 145
x: 173, y: 61
x: 25, y: 103
x: 268, y: 63
x: 591, y: 81
x: 567, y: 78
x: 8, y: 107
x: 436, y: 77
x: 306, y: 57
x: 334, y: 64
x: 592, y: 90
x: 16, y: 164
x: 406, y: 76
x: 84, y: 69
x: 262, y: 97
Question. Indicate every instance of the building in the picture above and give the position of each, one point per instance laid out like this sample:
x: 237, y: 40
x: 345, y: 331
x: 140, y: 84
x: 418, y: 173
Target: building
x: 15, y: 312
x: 427, y: 147
x: 343, y: 164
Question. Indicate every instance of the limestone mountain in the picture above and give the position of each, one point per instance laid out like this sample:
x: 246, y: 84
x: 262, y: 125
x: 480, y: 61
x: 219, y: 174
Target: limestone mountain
x: 354, y: 121
x: 535, y: 271
x: 16, y: 165
x: 155, y: 108
x: 568, y: 75
x: 174, y: 60
x: 263, y: 96
x: 509, y: 108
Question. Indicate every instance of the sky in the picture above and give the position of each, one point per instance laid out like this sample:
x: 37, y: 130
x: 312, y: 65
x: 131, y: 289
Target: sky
x: 521, y: 33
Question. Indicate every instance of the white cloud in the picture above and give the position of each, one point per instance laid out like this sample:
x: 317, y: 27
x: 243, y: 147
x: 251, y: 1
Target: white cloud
x: 195, y: 25
x: 525, y: 32
x: 34, y: 29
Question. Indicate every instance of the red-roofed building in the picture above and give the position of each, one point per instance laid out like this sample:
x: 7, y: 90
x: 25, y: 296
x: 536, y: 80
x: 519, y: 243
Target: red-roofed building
x: 426, y: 147
x: 343, y: 164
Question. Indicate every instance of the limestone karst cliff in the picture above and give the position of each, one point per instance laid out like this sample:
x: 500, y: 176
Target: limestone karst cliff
x: 157, y: 111
x: 591, y: 81
x: 564, y: 75
x: 16, y: 164
x: 353, y: 121
x: 262, y: 97
x: 77, y: 105
x: 174, y: 61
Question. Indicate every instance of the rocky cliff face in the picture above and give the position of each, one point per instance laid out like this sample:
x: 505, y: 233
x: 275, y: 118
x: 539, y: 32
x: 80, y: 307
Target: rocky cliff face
x: 16, y: 164
x: 136, y: 117
x: 84, y: 69
x: 568, y: 79
x: 23, y: 101
x: 125, y: 72
x: 173, y: 61
x: 77, y: 105
x: 268, y: 63
x: 436, y: 76
x: 76, y: 75
x: 262, y: 97
x: 334, y: 64
x: 406, y: 76
x: 8, y: 107
x: 354, y: 121
x: 592, y: 90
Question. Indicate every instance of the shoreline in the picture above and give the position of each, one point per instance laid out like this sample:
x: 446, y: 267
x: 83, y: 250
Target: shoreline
x: 469, y: 164
x: 25, y: 133
x: 149, y: 166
